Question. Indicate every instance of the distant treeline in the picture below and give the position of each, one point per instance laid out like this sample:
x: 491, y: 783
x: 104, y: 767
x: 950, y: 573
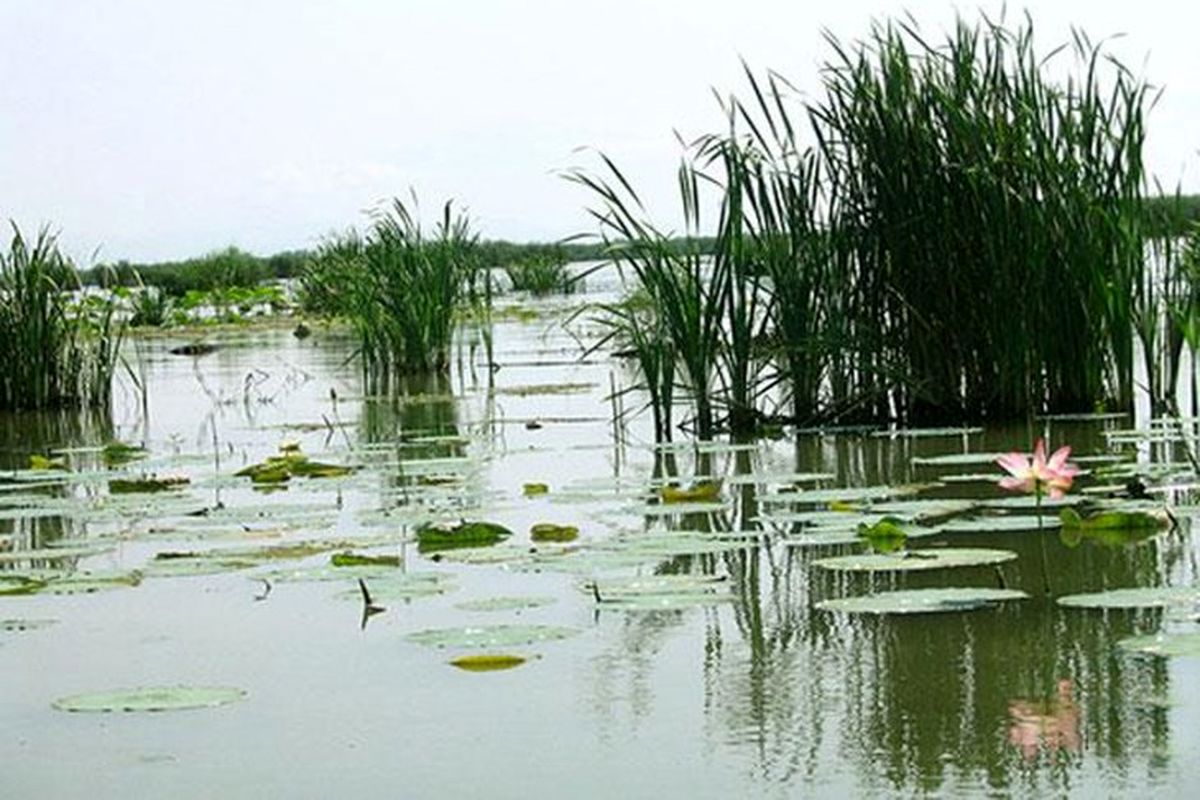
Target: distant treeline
x: 1165, y: 215
x: 234, y: 267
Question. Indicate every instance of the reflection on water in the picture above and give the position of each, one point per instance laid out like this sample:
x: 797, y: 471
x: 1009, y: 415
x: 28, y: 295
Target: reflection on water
x: 757, y: 696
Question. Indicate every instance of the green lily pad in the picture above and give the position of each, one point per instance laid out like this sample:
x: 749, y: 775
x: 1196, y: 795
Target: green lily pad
x: 153, y: 698
x: 679, y: 508
x: 848, y: 494
x: 403, y: 586
x: 957, y: 460
x: 347, y: 559
x: 505, y: 603
x: 91, y: 582
x: 465, y: 534
x: 490, y: 635
x: 922, y: 601
x: 923, y: 433
x: 1001, y: 524
x: 1155, y: 597
x: 1163, y: 644
x: 778, y: 478
x: 147, y: 484
x: 915, y: 560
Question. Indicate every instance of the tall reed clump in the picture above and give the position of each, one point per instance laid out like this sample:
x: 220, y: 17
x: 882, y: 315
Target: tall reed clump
x: 994, y: 217
x: 56, y: 350
x: 540, y: 274
x: 400, y: 286
x: 687, y: 293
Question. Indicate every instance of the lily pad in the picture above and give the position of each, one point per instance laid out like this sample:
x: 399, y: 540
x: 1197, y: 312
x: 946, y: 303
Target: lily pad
x: 922, y: 601
x: 404, y: 586
x: 361, y: 560
x: 1001, y: 524
x: 52, y: 553
x: 464, y: 534
x: 1163, y: 644
x: 20, y: 584
x: 700, y: 492
x: 957, y: 460
x: 549, y: 532
x: 490, y: 635
x: 534, y: 489
x: 91, y: 582
x: 916, y: 560
x: 147, y: 484
x: 505, y: 603
x: 1155, y: 597
x: 153, y: 698
x: 488, y: 662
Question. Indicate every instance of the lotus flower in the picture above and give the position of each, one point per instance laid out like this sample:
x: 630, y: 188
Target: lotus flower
x: 1051, y: 476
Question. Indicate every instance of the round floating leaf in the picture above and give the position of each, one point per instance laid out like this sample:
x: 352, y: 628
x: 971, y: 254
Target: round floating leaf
x: 403, y: 586
x: 490, y: 635
x: 1163, y: 644
x: 90, y: 582
x: 998, y: 524
x: 913, y: 560
x: 550, y: 532
x: 680, y: 508
x: 922, y: 601
x: 153, y: 698
x: 488, y: 662
x: 505, y: 603
x: 1156, y: 597
x: 958, y: 460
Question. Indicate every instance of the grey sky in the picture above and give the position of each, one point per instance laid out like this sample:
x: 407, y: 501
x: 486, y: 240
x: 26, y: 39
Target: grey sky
x: 160, y: 129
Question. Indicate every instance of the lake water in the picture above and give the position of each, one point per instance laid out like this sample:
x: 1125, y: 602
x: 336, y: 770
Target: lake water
x: 755, y: 693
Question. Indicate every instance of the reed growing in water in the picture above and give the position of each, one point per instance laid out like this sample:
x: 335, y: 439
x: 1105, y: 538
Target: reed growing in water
x: 57, y: 350
x: 400, y: 286
x: 964, y: 239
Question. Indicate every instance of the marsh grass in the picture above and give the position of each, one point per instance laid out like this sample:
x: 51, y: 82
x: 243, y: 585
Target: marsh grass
x: 58, y: 346
x: 540, y: 275
x: 402, y: 288
x: 964, y: 239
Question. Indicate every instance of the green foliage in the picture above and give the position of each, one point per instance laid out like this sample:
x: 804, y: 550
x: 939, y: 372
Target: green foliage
x: 540, y: 275
x: 57, y: 348
x: 400, y: 287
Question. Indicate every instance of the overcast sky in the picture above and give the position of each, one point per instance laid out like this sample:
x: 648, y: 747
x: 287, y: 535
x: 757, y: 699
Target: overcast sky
x: 157, y: 129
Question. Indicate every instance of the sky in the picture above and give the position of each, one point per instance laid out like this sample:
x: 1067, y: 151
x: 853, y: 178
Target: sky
x: 153, y: 130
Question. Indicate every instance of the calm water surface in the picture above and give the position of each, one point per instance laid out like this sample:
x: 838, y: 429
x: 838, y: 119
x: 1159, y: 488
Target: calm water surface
x: 764, y: 696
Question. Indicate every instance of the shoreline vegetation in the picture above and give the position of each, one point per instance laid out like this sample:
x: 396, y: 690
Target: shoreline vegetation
x: 944, y: 234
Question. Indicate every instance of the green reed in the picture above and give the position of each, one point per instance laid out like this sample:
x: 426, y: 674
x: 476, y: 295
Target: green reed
x: 400, y: 286
x: 540, y: 274
x: 56, y: 350
x: 994, y: 216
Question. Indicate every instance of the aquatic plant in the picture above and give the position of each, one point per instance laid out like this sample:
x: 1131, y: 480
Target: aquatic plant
x: 56, y: 349
x: 1041, y: 476
x: 540, y: 274
x: 400, y: 287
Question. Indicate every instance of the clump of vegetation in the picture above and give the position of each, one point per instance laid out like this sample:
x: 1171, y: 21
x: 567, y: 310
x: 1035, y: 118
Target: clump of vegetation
x: 58, y: 346
x: 541, y: 274
x: 956, y: 212
x: 400, y: 287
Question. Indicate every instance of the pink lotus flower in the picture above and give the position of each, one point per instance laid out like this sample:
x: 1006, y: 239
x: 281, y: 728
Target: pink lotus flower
x: 1052, y: 476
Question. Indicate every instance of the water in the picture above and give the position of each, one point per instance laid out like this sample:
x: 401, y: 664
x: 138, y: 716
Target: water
x: 762, y: 696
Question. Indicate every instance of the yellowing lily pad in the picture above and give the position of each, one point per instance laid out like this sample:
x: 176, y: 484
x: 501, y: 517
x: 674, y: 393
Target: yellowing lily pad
x: 922, y: 601
x: 549, y: 532
x: 488, y: 662
x: 154, y: 698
